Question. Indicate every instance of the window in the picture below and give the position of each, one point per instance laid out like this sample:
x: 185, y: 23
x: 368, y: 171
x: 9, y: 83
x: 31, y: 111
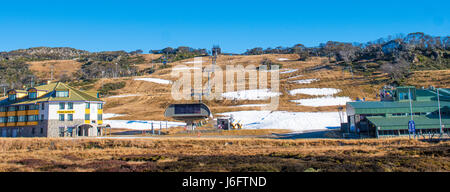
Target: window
x: 22, y: 108
x: 404, y: 96
x: 43, y: 106
x: 61, y: 117
x: 62, y: 93
x: 33, y: 107
x: 2, y: 109
x: 42, y: 117
x: 87, y: 117
x: 33, y: 118
x: 70, y: 105
x: 62, y: 105
x: 99, y: 117
x: 42, y: 130
x: 32, y: 131
x: 88, y: 105
x: 2, y: 119
x: 32, y: 95
x: 61, y: 131
x: 22, y: 118
x: 70, y: 117
x: 12, y: 119
x: 12, y: 108
x: 12, y: 97
x: 100, y: 106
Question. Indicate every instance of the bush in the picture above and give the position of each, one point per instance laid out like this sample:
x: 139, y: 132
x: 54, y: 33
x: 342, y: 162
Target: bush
x: 107, y: 88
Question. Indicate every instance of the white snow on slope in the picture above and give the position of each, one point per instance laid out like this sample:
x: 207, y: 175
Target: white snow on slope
x: 154, y: 80
x: 315, y: 91
x: 305, y: 81
x: 140, y: 125
x: 254, y: 94
x: 184, y: 68
x: 111, y: 115
x: 296, y: 121
x: 192, y: 62
x: 121, y: 96
x: 282, y: 59
x: 289, y: 71
x: 323, y: 101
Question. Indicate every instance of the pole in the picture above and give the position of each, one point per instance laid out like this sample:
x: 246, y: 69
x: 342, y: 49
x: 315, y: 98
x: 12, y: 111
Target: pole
x: 439, y: 110
x: 410, y: 106
x: 153, y: 131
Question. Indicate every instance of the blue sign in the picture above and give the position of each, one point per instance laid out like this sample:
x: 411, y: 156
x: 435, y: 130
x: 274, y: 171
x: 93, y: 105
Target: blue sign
x: 411, y: 126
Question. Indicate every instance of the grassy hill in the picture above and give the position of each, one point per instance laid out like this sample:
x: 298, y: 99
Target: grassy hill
x: 147, y: 100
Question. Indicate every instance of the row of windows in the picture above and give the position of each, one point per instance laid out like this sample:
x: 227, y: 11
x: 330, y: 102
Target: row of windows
x: 13, y: 119
x: 19, y: 108
x: 88, y: 106
x: 62, y: 105
x: 62, y: 94
x: 409, y: 114
x: 88, y: 117
x: 62, y: 117
x: 33, y: 95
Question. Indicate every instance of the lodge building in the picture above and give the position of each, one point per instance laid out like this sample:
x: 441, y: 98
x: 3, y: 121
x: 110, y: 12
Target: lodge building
x: 390, y: 116
x: 51, y: 110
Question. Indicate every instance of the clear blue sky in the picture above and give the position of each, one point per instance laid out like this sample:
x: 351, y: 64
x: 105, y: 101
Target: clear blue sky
x: 234, y: 25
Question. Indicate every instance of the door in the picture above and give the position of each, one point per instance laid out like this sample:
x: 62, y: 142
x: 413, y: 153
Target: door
x: 3, y: 132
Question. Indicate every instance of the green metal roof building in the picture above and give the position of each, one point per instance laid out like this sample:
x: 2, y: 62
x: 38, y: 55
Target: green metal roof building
x: 391, y: 115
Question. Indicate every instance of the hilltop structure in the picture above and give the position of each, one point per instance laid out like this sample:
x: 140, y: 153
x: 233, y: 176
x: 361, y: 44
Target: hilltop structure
x: 391, y: 115
x: 51, y: 110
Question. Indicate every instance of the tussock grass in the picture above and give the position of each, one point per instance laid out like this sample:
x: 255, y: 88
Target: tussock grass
x: 214, y: 154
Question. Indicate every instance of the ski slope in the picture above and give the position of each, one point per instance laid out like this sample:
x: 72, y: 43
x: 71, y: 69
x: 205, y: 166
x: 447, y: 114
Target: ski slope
x: 295, y: 121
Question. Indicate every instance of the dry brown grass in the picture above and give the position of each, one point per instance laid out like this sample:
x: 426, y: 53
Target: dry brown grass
x: 154, y: 98
x: 182, y: 154
x: 60, y: 67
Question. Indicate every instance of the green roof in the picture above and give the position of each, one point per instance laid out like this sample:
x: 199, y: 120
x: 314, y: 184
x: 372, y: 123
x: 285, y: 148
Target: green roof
x: 74, y: 95
x: 394, y: 104
x: 421, y: 122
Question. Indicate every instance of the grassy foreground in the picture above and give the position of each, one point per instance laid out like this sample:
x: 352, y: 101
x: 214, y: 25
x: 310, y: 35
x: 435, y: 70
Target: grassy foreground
x: 201, y: 154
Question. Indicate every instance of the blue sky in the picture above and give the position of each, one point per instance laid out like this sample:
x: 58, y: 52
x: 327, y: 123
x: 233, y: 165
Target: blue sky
x: 234, y: 25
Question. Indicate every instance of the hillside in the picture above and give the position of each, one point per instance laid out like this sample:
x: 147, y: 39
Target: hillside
x: 145, y: 97
x: 313, y: 88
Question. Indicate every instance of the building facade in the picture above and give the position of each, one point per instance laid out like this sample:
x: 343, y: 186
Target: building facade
x: 391, y: 116
x: 52, y: 110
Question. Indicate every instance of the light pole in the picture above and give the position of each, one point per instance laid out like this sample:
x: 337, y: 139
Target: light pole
x: 439, y: 110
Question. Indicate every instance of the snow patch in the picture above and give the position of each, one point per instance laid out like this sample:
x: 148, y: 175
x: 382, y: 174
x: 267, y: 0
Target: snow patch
x: 282, y: 59
x: 254, y: 94
x: 111, y: 115
x: 305, y: 81
x: 289, y: 71
x: 141, y: 125
x: 296, y: 121
x: 323, y: 101
x: 121, y: 96
x: 191, y: 62
x: 154, y: 80
x: 315, y: 91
